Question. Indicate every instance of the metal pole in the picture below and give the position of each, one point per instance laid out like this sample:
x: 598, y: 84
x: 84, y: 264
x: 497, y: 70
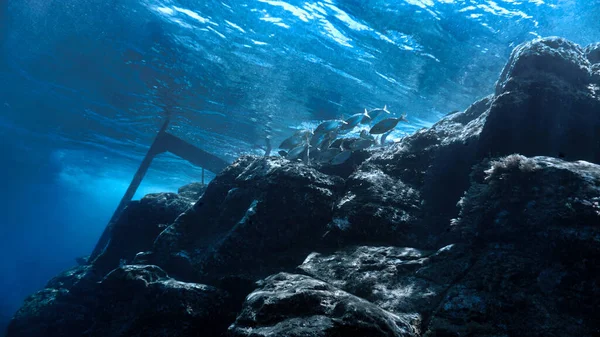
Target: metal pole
x: 156, y: 148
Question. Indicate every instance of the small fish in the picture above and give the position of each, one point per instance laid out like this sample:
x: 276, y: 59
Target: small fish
x: 365, y: 135
x: 337, y: 144
x: 361, y: 144
x: 296, y: 139
x: 328, y: 154
x: 384, y: 136
x: 375, y: 114
x: 341, y: 157
x: 318, y: 139
x: 328, y: 126
x: 384, y: 126
x: 403, y: 118
x: 354, y: 120
x: 330, y: 138
x: 297, y: 152
x: 366, y: 118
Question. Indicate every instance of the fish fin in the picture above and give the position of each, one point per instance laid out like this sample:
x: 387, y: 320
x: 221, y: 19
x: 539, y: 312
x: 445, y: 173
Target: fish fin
x: 385, y: 109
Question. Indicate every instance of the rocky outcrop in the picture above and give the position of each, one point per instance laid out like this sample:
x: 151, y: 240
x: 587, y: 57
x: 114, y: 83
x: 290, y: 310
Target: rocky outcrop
x: 547, y: 104
x: 485, y: 224
x: 523, y: 261
x: 129, y: 301
x: 395, y: 196
x: 192, y: 191
x: 533, y: 225
x: 138, y: 226
x: 258, y: 217
x: 297, y: 305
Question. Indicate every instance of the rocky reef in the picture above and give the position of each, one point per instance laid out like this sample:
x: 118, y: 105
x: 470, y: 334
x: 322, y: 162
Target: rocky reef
x: 485, y: 224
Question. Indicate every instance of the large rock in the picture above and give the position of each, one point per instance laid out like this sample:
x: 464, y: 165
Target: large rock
x: 138, y: 226
x: 547, y: 104
x: 534, y: 227
x: 528, y: 238
x: 405, y: 281
x: 296, y: 305
x: 192, y: 191
x: 592, y: 52
x: 394, y: 197
x: 257, y: 217
x: 129, y: 301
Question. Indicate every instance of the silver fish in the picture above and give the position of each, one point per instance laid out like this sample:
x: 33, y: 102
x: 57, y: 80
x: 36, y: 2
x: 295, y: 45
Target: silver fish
x: 329, y: 138
x: 383, y: 137
x: 354, y: 120
x: 328, y: 126
x: 337, y: 144
x: 298, y: 138
x: 328, y: 154
x: 365, y: 135
x: 375, y: 114
x: 384, y: 126
x: 361, y: 144
x: 318, y: 139
x: 297, y: 152
x: 341, y: 157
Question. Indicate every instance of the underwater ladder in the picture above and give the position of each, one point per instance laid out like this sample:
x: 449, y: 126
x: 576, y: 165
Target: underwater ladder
x: 164, y: 142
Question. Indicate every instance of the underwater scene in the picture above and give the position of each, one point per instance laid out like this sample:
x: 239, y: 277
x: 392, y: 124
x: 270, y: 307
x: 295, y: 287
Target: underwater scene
x: 414, y: 168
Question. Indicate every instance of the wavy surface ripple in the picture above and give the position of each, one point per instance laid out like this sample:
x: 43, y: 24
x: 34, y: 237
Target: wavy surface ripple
x: 101, y: 75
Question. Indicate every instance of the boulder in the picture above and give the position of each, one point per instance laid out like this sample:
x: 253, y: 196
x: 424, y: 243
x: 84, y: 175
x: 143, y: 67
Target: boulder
x: 143, y: 301
x: 592, y: 52
x: 138, y: 226
x: 547, y: 104
x: 402, y: 280
x: 130, y: 301
x: 257, y: 217
x: 192, y: 191
x: 534, y: 228
x: 394, y: 197
x: 297, y: 305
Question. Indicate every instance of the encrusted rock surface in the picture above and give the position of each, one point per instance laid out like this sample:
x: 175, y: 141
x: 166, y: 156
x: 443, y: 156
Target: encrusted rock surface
x: 138, y: 226
x: 485, y: 224
x: 298, y: 305
x: 547, y: 104
x: 258, y: 217
x: 133, y: 300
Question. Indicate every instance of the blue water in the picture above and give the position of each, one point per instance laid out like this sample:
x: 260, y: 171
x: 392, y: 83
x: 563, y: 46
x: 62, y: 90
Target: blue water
x: 85, y: 85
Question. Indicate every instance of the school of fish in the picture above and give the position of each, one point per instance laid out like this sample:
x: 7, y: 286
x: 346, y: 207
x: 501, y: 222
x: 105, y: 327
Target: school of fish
x: 323, y: 145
